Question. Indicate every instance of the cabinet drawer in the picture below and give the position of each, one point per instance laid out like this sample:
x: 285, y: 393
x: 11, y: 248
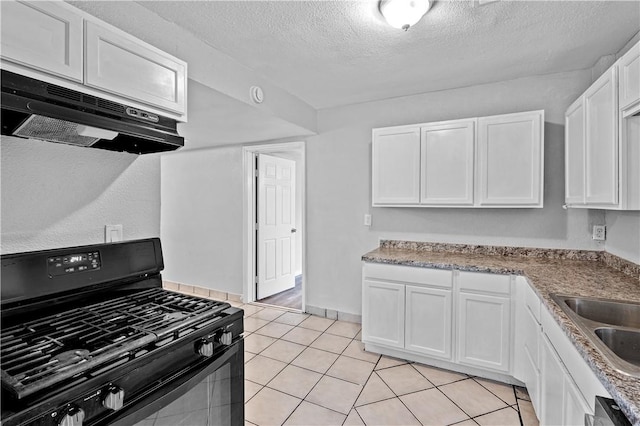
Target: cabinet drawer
x: 531, y: 300
x: 409, y: 274
x: 481, y: 282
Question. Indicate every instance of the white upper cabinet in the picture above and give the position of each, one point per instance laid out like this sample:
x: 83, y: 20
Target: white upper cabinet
x: 602, y: 140
x: 475, y: 162
x: 601, y: 147
x: 396, y: 165
x: 124, y: 66
x: 43, y: 35
x: 510, y: 158
x: 629, y: 72
x: 447, y: 152
x: 59, y: 44
x: 574, y: 153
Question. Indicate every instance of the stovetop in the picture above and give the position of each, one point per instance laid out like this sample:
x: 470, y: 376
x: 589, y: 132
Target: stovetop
x: 87, y: 340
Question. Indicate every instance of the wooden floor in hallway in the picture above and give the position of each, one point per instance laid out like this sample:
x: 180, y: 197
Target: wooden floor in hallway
x: 291, y: 298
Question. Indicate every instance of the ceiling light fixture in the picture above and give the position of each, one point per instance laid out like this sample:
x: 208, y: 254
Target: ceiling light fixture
x: 404, y: 13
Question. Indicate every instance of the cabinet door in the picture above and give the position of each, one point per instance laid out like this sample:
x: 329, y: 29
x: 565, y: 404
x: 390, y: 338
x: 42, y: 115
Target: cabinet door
x: 122, y: 65
x: 601, y: 117
x: 510, y: 159
x: 574, y: 406
x: 428, y: 321
x: 562, y: 402
x: 531, y: 375
x: 46, y: 36
x: 396, y: 165
x: 383, y: 313
x: 574, y: 153
x: 447, y: 152
x: 484, y: 331
x: 629, y: 74
x: 552, y: 385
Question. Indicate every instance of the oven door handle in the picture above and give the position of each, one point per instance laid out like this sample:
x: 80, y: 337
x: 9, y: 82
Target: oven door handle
x: 163, y: 394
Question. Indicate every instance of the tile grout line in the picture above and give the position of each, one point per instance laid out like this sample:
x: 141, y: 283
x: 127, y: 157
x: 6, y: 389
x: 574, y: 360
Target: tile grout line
x: 316, y: 384
x: 290, y: 363
x: 493, y: 393
x: 398, y: 397
x: 353, y: 407
x: 375, y: 365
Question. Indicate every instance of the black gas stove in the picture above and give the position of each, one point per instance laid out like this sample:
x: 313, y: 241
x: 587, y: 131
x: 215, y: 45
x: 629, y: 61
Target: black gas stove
x: 90, y: 337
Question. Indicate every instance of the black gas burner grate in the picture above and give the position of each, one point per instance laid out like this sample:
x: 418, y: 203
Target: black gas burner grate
x: 40, y: 353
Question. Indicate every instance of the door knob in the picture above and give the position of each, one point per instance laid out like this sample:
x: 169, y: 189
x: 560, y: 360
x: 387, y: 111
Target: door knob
x: 293, y: 230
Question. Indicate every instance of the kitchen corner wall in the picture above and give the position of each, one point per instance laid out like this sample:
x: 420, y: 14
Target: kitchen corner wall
x: 339, y: 184
x: 202, y: 218
x: 55, y: 195
x: 623, y: 234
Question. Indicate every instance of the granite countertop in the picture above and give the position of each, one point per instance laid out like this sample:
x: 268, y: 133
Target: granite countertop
x: 549, y: 271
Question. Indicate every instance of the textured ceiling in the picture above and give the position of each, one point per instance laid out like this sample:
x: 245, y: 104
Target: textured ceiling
x: 331, y: 53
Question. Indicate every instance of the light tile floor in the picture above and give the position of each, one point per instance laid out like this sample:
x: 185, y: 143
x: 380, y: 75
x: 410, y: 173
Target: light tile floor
x: 307, y: 370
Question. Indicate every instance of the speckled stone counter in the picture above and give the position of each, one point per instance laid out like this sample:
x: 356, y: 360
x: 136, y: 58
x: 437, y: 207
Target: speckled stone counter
x: 582, y: 273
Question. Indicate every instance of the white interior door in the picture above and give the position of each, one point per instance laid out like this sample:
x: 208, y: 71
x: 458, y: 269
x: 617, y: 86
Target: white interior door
x: 276, y: 225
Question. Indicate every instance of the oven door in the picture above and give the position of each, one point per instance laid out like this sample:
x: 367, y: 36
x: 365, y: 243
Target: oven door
x: 207, y: 395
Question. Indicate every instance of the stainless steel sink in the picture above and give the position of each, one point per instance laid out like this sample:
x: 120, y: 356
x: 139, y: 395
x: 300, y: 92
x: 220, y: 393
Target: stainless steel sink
x: 613, y: 326
x: 606, y: 311
x: 624, y: 343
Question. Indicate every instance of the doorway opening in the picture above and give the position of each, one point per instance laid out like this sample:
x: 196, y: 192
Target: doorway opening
x: 274, y: 228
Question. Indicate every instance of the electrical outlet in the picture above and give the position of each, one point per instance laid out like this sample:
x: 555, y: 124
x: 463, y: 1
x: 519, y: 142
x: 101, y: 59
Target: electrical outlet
x: 112, y: 233
x: 599, y: 232
x: 367, y: 220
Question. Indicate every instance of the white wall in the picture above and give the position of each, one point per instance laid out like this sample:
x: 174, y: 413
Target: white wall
x: 56, y: 195
x: 202, y: 218
x: 623, y: 234
x: 339, y: 188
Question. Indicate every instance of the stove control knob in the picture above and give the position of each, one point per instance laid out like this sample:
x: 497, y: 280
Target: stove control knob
x: 205, y: 348
x: 74, y: 417
x: 114, y: 398
x: 225, y: 338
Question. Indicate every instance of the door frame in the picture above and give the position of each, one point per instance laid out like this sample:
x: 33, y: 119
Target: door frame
x: 249, y: 212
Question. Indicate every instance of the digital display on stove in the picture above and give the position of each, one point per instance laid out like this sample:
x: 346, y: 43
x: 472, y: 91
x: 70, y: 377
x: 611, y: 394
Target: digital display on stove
x: 73, y: 263
x: 76, y: 258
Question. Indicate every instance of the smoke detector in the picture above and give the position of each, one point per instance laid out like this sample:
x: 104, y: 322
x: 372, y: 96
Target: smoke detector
x: 257, y: 95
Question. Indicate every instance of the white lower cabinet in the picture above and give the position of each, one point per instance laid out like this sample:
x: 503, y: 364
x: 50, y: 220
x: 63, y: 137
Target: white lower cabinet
x: 428, y: 321
x: 552, y: 386
x: 483, y: 331
x: 561, y: 385
x: 574, y: 406
x: 527, y: 345
x: 420, y: 310
x: 562, y: 402
x: 482, y: 324
x: 383, y: 312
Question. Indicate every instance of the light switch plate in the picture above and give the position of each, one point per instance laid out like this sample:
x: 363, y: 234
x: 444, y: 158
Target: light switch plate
x: 367, y: 220
x: 112, y: 233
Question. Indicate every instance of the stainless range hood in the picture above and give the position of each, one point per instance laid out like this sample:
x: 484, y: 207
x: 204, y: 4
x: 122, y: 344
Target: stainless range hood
x: 39, y: 110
